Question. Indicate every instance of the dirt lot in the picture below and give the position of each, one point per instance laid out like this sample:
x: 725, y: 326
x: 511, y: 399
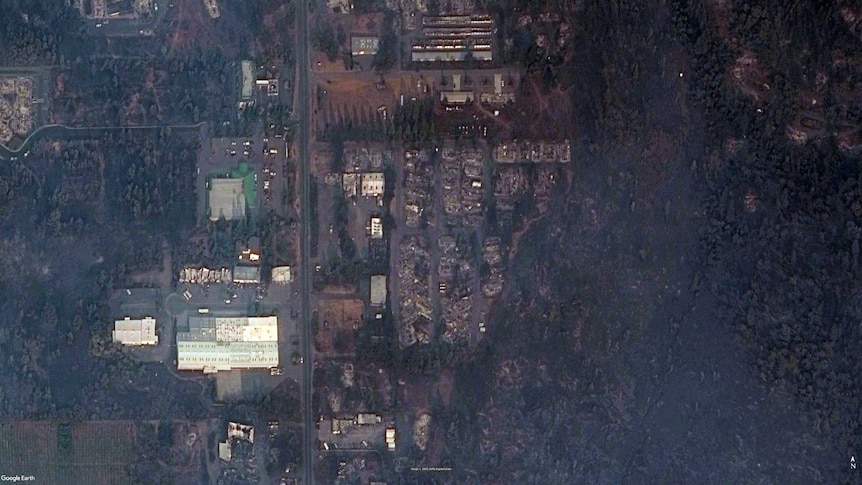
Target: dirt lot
x: 190, y: 442
x: 192, y: 25
x: 535, y: 114
x: 359, y: 95
x: 339, y: 319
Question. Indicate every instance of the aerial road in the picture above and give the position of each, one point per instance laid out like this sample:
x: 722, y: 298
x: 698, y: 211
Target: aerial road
x: 303, y: 96
x: 63, y: 132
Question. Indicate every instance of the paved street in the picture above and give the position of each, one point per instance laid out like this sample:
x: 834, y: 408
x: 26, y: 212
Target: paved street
x: 302, y: 109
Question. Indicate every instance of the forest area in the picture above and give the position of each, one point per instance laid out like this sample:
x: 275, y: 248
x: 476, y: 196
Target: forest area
x: 111, y: 91
x: 788, y: 264
x: 78, y: 217
x: 40, y: 32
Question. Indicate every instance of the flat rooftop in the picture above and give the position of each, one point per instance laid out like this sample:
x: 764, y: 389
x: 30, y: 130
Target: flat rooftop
x: 141, y: 331
x: 217, y: 343
x: 226, y: 199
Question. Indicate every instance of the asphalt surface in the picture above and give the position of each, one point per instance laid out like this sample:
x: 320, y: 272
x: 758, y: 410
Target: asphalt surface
x: 302, y: 110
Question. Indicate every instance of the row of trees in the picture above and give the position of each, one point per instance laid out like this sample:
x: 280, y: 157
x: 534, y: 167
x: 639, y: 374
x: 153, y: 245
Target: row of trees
x: 387, y: 50
x: 413, y: 121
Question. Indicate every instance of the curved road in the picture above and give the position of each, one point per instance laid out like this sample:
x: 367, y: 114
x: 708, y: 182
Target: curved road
x: 78, y: 133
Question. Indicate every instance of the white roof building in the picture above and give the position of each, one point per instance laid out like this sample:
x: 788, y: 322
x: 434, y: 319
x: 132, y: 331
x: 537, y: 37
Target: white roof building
x: 217, y: 343
x: 372, y: 184
x: 364, y: 45
x: 376, y: 228
x: 281, y: 275
x: 456, y: 97
x: 135, y: 332
x: 446, y: 53
x: 390, y: 439
x: 224, y: 451
x: 226, y: 199
x: 378, y: 290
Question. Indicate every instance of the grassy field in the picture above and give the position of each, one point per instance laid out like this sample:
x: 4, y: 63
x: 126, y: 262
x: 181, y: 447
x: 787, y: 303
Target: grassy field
x: 95, y: 452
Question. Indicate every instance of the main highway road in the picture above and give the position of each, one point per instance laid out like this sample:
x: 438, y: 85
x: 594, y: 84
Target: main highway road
x: 303, y: 97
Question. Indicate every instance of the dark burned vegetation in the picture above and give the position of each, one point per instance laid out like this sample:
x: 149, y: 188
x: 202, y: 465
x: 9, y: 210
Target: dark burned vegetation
x: 693, y: 289
x: 782, y: 234
x: 156, y: 183
x: 40, y: 32
x: 79, y: 217
x: 119, y: 91
x: 703, y: 263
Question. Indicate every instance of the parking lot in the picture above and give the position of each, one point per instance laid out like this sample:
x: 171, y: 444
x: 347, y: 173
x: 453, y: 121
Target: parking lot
x: 266, y: 156
x: 235, y: 300
x: 145, y: 302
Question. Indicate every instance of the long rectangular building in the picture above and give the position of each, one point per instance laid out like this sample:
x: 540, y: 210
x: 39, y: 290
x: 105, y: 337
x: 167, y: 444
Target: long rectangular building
x: 247, y: 79
x: 217, y: 343
x: 432, y: 53
x: 452, y: 37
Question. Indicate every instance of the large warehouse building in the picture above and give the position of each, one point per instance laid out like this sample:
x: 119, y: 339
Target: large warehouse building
x: 451, y: 37
x: 216, y: 343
